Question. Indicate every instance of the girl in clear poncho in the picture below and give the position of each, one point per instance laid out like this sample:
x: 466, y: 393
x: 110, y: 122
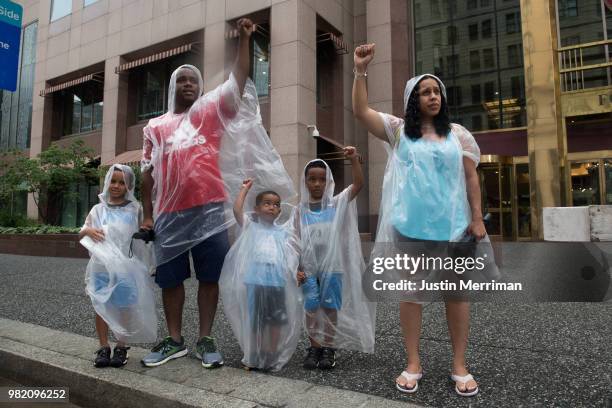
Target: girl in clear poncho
x: 259, y: 284
x: 337, y: 314
x: 117, y: 282
x: 431, y: 192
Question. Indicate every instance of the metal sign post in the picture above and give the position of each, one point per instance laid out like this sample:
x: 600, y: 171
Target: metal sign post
x: 10, y: 38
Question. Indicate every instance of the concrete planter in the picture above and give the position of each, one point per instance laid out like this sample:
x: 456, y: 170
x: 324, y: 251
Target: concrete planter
x: 62, y: 245
x: 578, y: 224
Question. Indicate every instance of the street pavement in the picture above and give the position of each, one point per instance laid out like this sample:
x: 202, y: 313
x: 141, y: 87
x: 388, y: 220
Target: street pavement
x: 522, y: 354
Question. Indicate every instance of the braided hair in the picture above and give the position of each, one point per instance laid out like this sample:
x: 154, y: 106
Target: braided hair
x: 412, y: 120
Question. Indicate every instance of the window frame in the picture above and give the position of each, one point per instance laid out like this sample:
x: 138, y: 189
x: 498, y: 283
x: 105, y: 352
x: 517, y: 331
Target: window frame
x: 52, y: 18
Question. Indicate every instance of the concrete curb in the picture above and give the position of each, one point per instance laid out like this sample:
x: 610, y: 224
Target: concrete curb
x: 40, y: 356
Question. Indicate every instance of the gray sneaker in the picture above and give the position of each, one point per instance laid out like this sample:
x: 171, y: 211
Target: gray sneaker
x: 206, y: 350
x: 165, y: 351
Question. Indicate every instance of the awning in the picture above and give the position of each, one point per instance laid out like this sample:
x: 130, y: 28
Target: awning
x: 155, y: 57
x: 339, y: 45
x: 98, y: 76
x: 131, y: 157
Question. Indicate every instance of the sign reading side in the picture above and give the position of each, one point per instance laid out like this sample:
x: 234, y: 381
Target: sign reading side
x: 10, y: 37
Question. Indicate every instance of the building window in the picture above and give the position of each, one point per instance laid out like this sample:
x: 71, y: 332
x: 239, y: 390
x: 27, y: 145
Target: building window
x: 439, y: 67
x: 569, y: 8
x: 260, y: 68
x: 475, y: 60
x: 513, y: 23
x: 74, y: 212
x: 418, y: 43
x: 488, y: 59
x: 417, y: 11
x: 16, y: 107
x: 452, y: 63
x: 88, y: 2
x: 515, y: 55
x: 435, y: 8
x: 60, y: 8
x: 454, y: 95
x: 476, y: 98
x: 82, y: 107
x: 476, y: 123
x: 152, y: 91
x: 489, y: 92
x: 473, y: 30
x: 327, y: 65
x: 486, y: 29
x: 152, y: 82
x: 572, y: 40
x: 517, y: 87
x: 451, y: 35
x: 437, y: 38
x: 467, y: 55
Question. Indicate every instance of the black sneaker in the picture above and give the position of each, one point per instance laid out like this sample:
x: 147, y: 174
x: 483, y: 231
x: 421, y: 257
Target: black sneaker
x: 120, y: 357
x: 311, y: 361
x: 328, y: 358
x: 102, y: 357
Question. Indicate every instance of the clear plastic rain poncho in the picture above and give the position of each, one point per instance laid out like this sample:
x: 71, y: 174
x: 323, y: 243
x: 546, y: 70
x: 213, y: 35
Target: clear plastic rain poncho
x: 199, y: 159
x: 424, y: 195
x: 119, y: 285
x: 337, y: 313
x: 259, y: 289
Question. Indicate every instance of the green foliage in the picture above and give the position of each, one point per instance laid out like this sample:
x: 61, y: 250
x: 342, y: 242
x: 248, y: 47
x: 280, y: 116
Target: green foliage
x: 39, y: 229
x: 48, y: 176
x: 14, y: 220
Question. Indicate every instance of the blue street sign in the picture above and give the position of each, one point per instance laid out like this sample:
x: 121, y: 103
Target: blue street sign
x: 10, y: 37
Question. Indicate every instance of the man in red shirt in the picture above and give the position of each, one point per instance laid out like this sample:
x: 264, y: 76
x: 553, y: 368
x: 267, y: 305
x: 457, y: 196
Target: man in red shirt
x: 181, y: 176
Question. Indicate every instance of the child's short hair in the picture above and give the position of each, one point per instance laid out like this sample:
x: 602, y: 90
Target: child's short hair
x: 261, y: 195
x: 317, y: 164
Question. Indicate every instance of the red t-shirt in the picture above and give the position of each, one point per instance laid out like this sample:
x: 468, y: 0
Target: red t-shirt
x: 190, y: 175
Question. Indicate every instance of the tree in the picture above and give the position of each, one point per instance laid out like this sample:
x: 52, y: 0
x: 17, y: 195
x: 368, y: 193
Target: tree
x: 49, y: 176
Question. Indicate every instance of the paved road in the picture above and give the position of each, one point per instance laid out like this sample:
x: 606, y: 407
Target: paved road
x: 523, y: 354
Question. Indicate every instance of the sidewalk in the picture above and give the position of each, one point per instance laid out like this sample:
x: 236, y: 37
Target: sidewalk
x: 36, y: 355
x: 522, y: 354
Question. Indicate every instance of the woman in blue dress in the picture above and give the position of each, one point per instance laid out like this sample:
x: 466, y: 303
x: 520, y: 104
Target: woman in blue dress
x: 431, y: 192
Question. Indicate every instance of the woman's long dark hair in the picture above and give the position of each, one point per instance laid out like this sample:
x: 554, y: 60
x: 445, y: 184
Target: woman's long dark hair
x: 412, y: 120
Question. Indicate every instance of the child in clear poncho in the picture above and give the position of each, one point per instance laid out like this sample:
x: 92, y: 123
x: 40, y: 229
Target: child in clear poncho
x: 258, y: 282
x: 117, y: 282
x: 337, y: 315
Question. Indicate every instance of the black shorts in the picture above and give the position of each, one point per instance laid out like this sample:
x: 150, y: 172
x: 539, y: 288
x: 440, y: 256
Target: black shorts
x: 266, y: 305
x: 208, y: 257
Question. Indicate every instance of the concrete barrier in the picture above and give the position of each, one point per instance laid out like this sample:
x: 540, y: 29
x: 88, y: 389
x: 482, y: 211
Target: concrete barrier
x: 578, y: 224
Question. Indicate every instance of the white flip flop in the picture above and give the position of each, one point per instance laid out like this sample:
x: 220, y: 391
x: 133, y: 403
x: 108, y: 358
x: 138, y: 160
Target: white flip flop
x: 464, y: 379
x: 409, y: 377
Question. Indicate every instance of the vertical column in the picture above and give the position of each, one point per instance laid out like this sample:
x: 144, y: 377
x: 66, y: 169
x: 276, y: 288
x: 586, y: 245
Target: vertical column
x: 40, y: 135
x: 114, y: 114
x: 387, y: 26
x: 293, y: 85
x: 214, y: 55
x: 354, y: 34
x: 544, y: 128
